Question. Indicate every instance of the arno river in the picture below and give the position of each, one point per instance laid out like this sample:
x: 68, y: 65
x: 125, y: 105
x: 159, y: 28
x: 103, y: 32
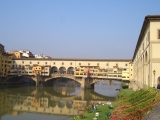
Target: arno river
x: 58, y: 102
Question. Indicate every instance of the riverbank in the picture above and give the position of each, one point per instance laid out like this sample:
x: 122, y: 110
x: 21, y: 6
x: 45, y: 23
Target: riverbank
x: 104, y: 110
x: 135, y: 105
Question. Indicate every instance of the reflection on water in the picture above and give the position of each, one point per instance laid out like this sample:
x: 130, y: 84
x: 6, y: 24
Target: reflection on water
x: 101, y: 88
x: 59, y: 102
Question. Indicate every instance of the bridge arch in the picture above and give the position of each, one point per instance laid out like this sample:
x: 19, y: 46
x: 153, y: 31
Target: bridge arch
x: 61, y: 104
x: 20, y: 79
x: 69, y: 104
x: 70, y: 70
x: 55, y: 77
x: 62, y: 70
x: 53, y: 103
x: 54, y: 70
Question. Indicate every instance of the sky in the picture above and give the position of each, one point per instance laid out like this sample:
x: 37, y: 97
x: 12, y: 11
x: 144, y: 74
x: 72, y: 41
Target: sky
x: 95, y: 29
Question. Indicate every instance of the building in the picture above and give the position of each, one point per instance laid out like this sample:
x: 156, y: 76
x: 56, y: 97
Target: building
x: 26, y: 54
x: 15, y: 54
x: 39, y: 56
x: 95, y: 68
x: 146, y: 58
x: 5, y: 62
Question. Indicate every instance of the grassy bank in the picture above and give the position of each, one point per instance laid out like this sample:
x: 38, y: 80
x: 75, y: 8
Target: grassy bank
x: 103, y: 110
x: 129, y: 105
x: 136, y: 105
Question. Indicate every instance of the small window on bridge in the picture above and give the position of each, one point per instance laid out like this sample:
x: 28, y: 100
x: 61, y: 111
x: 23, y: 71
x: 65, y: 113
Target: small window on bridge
x: 70, y: 63
x: 79, y: 63
x: 88, y: 63
x: 22, y: 62
x: 45, y: 62
x: 54, y: 63
x: 126, y: 64
x: 97, y: 64
x: 30, y: 62
x: 62, y: 63
x: 107, y: 64
x: 37, y: 62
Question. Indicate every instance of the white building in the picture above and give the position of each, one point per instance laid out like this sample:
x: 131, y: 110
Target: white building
x: 26, y: 53
x: 39, y: 56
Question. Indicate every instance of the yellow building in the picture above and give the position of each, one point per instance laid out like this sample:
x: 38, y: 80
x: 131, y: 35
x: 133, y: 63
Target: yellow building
x: 5, y: 62
x: 146, y: 58
x: 36, y: 69
x: 17, y: 54
x: 35, y: 102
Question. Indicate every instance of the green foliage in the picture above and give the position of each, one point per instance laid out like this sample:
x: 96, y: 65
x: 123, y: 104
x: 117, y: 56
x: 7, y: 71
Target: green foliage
x: 136, y: 105
x: 124, y: 86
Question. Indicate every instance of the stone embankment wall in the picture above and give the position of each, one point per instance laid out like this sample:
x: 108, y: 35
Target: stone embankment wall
x: 154, y: 114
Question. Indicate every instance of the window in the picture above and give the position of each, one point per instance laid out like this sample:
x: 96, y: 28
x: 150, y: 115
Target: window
x: 62, y: 63
x: 70, y: 63
x: 37, y: 62
x: 54, y: 63
x: 107, y: 64
x: 22, y: 62
x: 88, y: 63
x: 45, y: 62
x: 97, y: 64
x: 131, y: 69
x: 126, y: 64
x: 159, y: 34
x: 131, y: 74
x: 30, y: 62
x: 116, y: 64
x: 148, y: 36
x: 79, y: 63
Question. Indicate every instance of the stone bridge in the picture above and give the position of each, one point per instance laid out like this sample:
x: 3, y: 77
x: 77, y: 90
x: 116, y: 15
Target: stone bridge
x: 84, y: 81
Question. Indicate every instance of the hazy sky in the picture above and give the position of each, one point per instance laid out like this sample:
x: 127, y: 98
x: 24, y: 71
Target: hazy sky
x: 74, y: 28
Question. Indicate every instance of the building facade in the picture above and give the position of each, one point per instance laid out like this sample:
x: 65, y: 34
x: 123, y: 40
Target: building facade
x: 98, y: 68
x: 5, y: 62
x: 146, y: 58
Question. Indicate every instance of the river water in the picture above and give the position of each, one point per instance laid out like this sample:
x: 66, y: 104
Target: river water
x: 61, y: 101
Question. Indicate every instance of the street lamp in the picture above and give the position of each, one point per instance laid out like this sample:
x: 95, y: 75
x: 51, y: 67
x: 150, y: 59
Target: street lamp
x: 154, y: 72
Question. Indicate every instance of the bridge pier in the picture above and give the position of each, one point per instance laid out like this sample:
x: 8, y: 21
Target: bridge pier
x: 86, y: 83
x: 39, y: 80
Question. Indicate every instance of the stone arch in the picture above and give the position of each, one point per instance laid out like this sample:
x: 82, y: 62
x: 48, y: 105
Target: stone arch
x: 21, y: 79
x: 69, y: 104
x: 61, y: 104
x: 53, y: 103
x: 54, y: 70
x: 70, y: 70
x: 62, y: 70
